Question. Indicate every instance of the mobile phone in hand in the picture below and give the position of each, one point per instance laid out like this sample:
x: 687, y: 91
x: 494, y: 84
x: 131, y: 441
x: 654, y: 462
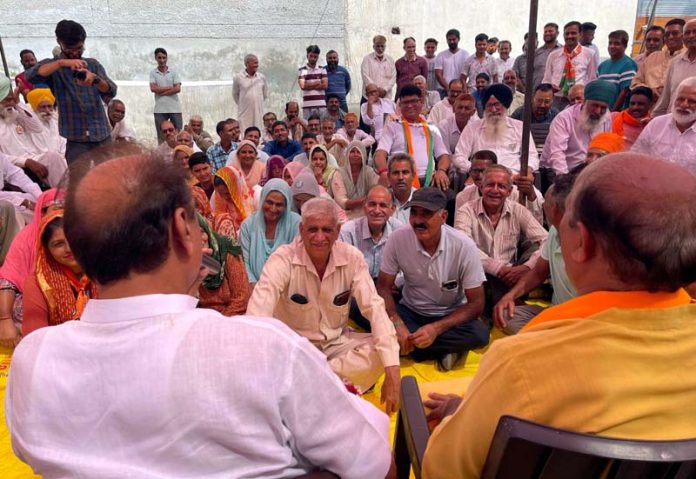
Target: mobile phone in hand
x: 211, y: 263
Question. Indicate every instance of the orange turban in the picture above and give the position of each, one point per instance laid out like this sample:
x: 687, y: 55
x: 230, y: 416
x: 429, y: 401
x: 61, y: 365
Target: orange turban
x: 609, y: 142
x: 38, y: 95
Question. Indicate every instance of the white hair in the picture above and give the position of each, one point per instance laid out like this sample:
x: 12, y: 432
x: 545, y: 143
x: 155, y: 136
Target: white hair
x: 196, y: 118
x: 421, y: 77
x: 689, y: 82
x: 248, y: 57
x: 319, y: 207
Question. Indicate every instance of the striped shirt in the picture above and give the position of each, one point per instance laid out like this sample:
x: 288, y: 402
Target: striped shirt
x: 498, y: 244
x: 81, y: 109
x: 619, y: 73
x: 313, y: 98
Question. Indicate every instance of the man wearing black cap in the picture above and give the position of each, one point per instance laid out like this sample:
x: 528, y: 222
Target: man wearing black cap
x: 436, y: 317
x: 497, y: 132
x: 574, y: 127
x: 587, y: 32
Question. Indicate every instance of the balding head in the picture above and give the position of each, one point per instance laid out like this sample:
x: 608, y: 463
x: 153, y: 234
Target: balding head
x: 125, y: 217
x: 630, y: 224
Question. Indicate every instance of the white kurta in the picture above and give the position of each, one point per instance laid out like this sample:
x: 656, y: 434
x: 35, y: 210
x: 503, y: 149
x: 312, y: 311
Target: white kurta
x: 249, y: 93
x: 27, y: 138
x: 168, y: 390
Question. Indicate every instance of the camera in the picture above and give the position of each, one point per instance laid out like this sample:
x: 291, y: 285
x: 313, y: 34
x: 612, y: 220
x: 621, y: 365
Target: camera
x: 80, y: 75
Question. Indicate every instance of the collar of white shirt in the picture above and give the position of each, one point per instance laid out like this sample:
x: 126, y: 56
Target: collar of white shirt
x: 136, y: 307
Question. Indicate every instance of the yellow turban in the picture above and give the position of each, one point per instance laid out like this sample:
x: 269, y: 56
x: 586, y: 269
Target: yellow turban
x: 38, y: 95
x: 609, y: 142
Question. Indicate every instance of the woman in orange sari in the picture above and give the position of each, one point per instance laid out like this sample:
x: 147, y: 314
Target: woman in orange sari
x: 58, y: 290
x: 231, y: 202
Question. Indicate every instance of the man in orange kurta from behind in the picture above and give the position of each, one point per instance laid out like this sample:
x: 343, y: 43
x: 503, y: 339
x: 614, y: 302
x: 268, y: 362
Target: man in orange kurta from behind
x: 619, y: 359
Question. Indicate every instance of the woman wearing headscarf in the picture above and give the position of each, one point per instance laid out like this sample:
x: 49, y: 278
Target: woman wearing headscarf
x: 274, y: 169
x: 357, y: 178
x: 231, y: 202
x: 305, y: 187
x: 248, y: 165
x: 180, y: 156
x: 271, y: 226
x: 326, y: 175
x: 58, y: 290
x: 291, y: 170
x: 18, y: 266
x: 227, y: 291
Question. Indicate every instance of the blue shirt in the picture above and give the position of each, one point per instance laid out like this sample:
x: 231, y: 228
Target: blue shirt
x: 357, y: 233
x: 218, y: 156
x: 82, y: 116
x: 339, y: 81
x: 288, y: 151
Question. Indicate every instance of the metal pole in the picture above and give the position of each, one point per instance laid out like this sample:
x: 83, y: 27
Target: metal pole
x: 529, y: 92
x: 4, y: 61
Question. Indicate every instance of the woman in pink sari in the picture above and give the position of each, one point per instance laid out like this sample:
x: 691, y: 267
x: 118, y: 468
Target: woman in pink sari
x: 18, y: 266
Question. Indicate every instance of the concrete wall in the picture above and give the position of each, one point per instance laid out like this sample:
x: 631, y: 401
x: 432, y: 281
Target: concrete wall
x: 207, y: 39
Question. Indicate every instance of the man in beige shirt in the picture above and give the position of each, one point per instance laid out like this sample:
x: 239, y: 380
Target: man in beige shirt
x: 653, y: 70
x: 308, y: 285
x: 498, y: 226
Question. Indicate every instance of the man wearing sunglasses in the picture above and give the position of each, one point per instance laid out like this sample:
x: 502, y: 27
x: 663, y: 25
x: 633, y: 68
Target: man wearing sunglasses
x: 81, y: 88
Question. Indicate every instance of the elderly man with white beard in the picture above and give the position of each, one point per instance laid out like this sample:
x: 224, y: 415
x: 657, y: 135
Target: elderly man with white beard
x: 497, y: 132
x: 573, y: 128
x: 18, y: 124
x: 672, y: 137
x: 43, y: 103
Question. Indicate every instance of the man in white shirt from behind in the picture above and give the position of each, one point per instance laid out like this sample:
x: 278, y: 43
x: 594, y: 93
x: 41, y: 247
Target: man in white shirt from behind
x: 166, y: 389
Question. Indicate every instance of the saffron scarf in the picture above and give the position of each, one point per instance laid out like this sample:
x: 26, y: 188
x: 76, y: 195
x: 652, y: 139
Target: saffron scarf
x: 617, y: 124
x: 65, y: 293
x: 239, y: 192
x: 428, y: 147
x: 598, y: 301
x: 568, y: 79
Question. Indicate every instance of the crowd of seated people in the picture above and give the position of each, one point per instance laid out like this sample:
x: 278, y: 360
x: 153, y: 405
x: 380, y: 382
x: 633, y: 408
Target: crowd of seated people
x: 412, y: 226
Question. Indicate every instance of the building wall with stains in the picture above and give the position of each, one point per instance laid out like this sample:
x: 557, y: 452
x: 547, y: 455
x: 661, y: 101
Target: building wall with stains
x: 207, y: 39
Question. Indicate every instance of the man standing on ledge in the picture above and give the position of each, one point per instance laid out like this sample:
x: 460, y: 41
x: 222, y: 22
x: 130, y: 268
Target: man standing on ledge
x: 81, y: 88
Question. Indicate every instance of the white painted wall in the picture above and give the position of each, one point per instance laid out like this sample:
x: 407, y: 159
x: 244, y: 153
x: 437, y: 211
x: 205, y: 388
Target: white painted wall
x: 207, y: 39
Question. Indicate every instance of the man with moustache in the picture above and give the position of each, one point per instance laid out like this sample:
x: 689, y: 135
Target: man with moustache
x: 116, y: 111
x: 652, y: 72
x: 297, y: 126
x: 402, y: 170
x: 449, y: 63
x: 451, y: 128
x: 498, y: 226
x: 543, y: 113
x: 570, y: 65
x: 680, y: 68
x: 43, y: 103
x: 166, y: 149
x: 313, y: 82
x: 200, y: 136
x: 23, y: 139
x: 379, y: 69
x: 672, y: 137
x: 574, y: 127
x: 339, y: 79
x: 409, y: 66
x: 442, y: 295
x: 497, y: 132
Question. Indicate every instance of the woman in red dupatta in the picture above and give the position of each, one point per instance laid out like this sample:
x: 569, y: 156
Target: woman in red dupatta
x: 58, y: 290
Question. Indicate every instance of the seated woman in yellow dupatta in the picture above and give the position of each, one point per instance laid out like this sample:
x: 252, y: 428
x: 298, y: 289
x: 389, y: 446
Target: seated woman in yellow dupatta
x: 231, y: 203
x: 228, y: 291
x: 326, y: 175
x: 357, y: 178
x: 58, y: 290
